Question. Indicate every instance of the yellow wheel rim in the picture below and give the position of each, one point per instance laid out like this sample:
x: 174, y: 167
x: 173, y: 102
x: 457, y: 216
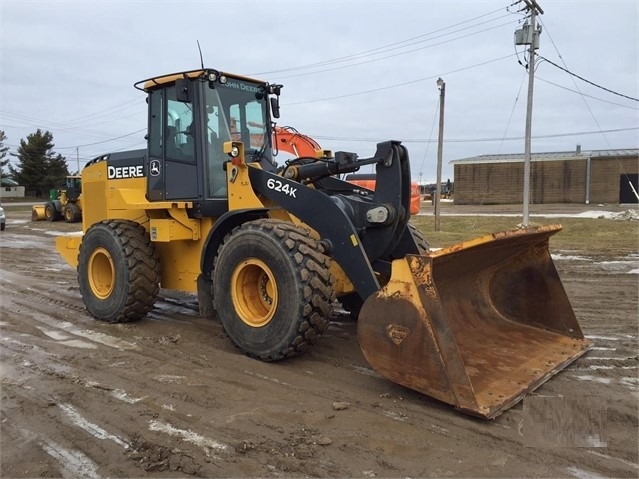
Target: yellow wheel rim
x: 101, y: 272
x: 68, y: 214
x: 254, y: 292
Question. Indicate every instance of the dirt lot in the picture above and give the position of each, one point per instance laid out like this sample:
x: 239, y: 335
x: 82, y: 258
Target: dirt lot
x: 169, y: 396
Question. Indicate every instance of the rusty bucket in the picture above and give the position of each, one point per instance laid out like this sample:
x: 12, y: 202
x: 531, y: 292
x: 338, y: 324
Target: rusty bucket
x: 476, y: 325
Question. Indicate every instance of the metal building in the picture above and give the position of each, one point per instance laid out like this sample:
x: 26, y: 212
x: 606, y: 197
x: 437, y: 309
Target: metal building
x: 597, y: 176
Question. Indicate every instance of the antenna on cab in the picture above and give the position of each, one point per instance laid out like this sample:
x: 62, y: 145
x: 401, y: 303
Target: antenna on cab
x: 200, y: 50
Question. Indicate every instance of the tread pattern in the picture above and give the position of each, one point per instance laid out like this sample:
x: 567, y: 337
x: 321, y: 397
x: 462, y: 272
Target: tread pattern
x: 143, y: 264
x: 419, y: 238
x: 312, y: 268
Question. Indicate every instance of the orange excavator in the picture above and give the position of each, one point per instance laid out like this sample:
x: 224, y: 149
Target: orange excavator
x: 288, y: 139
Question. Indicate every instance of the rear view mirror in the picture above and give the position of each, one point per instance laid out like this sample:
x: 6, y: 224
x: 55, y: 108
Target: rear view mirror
x: 275, y: 107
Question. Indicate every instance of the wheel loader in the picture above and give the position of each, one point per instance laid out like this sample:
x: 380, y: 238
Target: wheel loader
x: 64, y: 203
x: 272, y: 249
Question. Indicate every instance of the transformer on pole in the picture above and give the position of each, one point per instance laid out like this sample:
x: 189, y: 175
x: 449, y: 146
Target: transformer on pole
x: 529, y: 35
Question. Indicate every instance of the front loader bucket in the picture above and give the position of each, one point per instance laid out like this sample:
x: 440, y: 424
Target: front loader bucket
x: 37, y: 212
x: 476, y: 325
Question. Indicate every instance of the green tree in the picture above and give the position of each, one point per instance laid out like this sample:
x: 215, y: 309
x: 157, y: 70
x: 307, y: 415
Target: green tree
x: 4, y: 160
x: 39, y: 169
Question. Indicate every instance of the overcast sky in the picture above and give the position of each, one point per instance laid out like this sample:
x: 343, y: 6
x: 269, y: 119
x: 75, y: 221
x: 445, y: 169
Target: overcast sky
x: 354, y: 72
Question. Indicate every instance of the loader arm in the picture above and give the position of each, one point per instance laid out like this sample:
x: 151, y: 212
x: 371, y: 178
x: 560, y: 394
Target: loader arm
x: 333, y: 225
x: 357, y: 233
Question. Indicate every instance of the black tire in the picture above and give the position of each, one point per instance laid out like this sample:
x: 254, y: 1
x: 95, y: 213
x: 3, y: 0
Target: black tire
x: 419, y: 238
x: 118, y: 271
x: 2, y: 226
x: 72, y: 213
x: 272, y: 289
x: 51, y: 213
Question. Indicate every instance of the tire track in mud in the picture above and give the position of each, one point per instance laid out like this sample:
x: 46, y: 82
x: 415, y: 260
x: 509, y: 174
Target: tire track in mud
x: 92, y: 393
x: 245, y: 371
x: 411, y: 410
x: 183, y: 376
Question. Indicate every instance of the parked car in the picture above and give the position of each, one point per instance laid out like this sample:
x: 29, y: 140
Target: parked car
x: 3, y: 219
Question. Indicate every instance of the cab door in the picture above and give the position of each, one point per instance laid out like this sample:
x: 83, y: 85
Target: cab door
x: 173, y: 155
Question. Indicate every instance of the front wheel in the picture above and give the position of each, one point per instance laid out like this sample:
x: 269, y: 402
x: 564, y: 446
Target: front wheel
x: 118, y: 271
x: 272, y: 288
x: 51, y: 213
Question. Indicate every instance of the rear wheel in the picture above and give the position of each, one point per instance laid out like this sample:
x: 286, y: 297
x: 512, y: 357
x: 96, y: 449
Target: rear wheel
x: 72, y: 213
x: 118, y: 271
x: 272, y: 288
x: 420, y: 239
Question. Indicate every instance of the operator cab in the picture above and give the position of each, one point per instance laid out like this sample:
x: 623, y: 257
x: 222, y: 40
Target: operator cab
x: 73, y: 187
x: 191, y: 115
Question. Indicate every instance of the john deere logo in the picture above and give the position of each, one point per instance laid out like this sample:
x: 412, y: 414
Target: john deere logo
x: 155, y: 167
x: 397, y: 333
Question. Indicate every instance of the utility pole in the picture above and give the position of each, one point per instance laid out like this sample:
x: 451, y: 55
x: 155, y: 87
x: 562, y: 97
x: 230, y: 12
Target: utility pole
x: 440, y: 146
x: 77, y: 157
x: 529, y: 36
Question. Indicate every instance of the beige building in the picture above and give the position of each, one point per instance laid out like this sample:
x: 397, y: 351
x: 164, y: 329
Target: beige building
x: 10, y: 189
x: 597, y: 176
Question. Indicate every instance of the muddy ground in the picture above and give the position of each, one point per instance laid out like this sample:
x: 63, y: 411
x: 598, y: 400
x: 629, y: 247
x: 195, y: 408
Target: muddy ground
x: 169, y: 396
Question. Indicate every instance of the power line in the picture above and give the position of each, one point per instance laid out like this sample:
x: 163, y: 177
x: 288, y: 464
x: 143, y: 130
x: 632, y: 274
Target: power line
x: 584, y: 94
x: 432, y: 128
x: 100, y: 142
x: 378, y: 50
x: 473, y: 140
x: 512, y: 112
x: 32, y: 122
x: 108, y: 111
x: 588, y: 81
x: 576, y: 86
x: 399, y: 84
x: 395, y: 54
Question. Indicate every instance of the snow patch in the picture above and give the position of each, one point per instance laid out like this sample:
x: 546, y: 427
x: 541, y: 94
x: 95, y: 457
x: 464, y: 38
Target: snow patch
x: 581, y: 474
x: 605, y: 338
x: 567, y: 257
x: 169, y: 378
x: 189, y: 436
x: 93, y: 429
x: 78, y: 343
x: 587, y: 377
x: 63, y: 233
x: 74, y: 463
x: 57, y: 335
x: 122, y: 395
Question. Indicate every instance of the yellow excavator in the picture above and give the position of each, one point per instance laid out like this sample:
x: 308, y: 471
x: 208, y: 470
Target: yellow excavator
x: 272, y: 249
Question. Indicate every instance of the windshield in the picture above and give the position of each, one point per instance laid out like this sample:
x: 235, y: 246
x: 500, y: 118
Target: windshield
x: 237, y: 111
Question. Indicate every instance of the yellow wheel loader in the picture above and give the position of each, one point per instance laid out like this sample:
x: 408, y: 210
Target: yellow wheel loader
x: 64, y: 203
x: 272, y: 248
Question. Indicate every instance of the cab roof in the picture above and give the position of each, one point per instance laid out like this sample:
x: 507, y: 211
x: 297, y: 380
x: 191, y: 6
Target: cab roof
x: 154, y: 82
